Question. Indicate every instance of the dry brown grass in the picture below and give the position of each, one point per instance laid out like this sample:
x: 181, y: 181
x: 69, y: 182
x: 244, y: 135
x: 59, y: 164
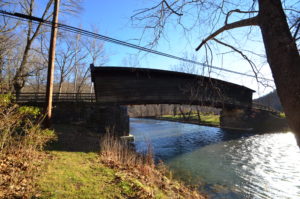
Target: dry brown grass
x: 21, y: 144
x: 139, y: 172
x: 121, y: 152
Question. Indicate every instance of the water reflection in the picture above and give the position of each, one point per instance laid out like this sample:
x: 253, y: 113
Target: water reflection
x: 231, y: 164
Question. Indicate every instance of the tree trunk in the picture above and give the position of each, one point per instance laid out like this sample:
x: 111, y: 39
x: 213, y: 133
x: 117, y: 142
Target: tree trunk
x: 20, y: 78
x: 38, y: 84
x: 17, y: 88
x: 1, y: 70
x: 60, y: 87
x: 174, y: 110
x: 161, y: 109
x: 190, y: 113
x: 283, y: 58
x: 182, y: 113
x: 75, y: 80
x: 198, y: 114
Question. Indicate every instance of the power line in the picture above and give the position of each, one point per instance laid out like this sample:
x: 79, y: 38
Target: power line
x: 72, y: 29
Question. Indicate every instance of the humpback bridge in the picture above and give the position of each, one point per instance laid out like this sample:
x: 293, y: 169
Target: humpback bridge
x: 118, y: 86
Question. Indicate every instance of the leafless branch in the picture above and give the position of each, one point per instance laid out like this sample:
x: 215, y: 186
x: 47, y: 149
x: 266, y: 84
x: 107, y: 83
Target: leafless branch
x: 251, y: 63
x: 170, y: 8
x: 297, y: 29
x: 242, y: 23
x: 238, y: 11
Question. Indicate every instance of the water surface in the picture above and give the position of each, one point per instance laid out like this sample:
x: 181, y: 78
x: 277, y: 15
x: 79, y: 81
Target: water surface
x: 225, y: 164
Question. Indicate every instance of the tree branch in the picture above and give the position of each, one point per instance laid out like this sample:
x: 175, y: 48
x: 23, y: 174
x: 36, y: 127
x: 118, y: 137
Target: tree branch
x: 297, y: 30
x: 238, y: 11
x: 242, y: 23
x: 172, y: 10
x: 253, y: 67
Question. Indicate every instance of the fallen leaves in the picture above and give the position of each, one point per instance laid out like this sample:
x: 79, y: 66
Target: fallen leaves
x: 18, y: 170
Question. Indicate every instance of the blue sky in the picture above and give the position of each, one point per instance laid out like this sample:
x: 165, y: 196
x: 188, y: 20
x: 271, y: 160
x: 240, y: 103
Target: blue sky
x: 112, y: 18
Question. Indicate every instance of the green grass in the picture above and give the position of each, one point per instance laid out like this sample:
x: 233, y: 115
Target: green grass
x: 71, y: 171
x: 282, y: 114
x: 74, y: 169
x: 205, y: 119
x: 79, y: 175
x: 211, y: 119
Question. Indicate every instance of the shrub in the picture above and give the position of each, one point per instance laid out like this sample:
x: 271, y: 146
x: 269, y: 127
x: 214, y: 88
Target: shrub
x: 21, y: 140
x: 30, y: 111
x: 120, y: 151
x: 138, y: 175
x: 6, y: 99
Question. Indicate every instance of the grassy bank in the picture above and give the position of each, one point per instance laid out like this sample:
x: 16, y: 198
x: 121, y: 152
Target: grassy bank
x: 207, y: 119
x: 78, y: 175
x: 115, y: 171
x: 85, y: 175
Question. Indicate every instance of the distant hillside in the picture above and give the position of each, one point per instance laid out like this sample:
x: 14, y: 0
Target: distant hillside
x: 271, y: 100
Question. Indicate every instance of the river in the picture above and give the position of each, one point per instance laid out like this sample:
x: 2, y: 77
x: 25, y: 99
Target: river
x: 224, y: 164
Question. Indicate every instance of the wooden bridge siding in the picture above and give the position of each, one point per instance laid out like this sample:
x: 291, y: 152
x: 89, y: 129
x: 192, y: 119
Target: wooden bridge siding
x: 148, y: 87
x: 126, y: 90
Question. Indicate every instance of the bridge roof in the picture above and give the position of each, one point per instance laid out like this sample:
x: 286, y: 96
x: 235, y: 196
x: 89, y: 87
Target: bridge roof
x: 165, y: 73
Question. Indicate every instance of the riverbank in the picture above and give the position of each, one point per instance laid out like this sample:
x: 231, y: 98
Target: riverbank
x: 85, y: 175
x: 74, y: 172
x: 272, y: 123
x: 206, y: 120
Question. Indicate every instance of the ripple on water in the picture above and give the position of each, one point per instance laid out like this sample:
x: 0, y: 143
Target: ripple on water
x: 254, y: 166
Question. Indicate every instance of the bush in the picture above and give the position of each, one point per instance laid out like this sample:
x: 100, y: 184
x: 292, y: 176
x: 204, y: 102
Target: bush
x: 6, y: 99
x: 21, y: 140
x: 30, y: 111
x: 20, y: 127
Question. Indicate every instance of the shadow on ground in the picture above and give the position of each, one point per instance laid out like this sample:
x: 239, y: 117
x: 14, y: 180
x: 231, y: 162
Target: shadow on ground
x: 75, y: 138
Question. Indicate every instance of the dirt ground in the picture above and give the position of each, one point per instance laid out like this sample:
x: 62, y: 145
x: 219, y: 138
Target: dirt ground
x: 75, y: 137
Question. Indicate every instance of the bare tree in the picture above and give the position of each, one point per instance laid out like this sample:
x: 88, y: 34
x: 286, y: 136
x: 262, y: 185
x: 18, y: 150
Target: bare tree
x: 96, y: 54
x: 32, y: 31
x: 37, y: 74
x: 77, y: 48
x: 131, y: 60
x: 65, y: 60
x: 31, y: 34
x: 268, y: 15
x: 190, y: 68
x: 8, y: 41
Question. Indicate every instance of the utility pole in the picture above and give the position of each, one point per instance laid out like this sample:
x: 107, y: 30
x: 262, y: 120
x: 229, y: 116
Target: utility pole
x: 51, y: 61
